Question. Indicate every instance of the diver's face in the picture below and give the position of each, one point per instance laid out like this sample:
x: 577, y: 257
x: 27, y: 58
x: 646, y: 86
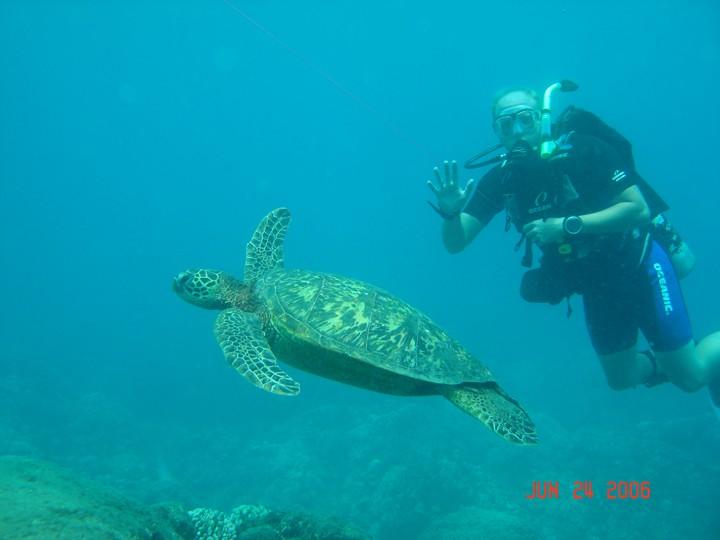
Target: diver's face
x: 517, y: 118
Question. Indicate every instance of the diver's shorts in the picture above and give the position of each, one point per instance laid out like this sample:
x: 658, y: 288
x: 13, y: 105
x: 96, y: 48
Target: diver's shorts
x: 647, y: 298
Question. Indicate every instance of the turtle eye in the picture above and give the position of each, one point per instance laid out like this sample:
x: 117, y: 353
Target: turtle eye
x: 182, y: 280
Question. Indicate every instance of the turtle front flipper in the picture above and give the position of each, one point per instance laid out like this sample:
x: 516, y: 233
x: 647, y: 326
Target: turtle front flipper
x: 241, y: 338
x: 264, y: 252
x: 499, y: 412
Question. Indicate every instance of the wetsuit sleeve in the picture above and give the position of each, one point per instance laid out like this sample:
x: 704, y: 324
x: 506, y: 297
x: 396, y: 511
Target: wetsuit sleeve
x: 487, y: 200
x: 603, y: 169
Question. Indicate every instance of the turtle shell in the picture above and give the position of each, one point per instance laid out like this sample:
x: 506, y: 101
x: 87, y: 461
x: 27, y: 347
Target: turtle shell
x: 366, y: 323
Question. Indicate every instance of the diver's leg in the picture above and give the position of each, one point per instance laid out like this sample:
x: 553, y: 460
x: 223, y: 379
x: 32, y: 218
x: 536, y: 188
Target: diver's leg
x: 666, y: 325
x: 691, y: 366
x: 708, y: 352
x: 682, y: 367
x: 627, y: 368
x: 612, y: 323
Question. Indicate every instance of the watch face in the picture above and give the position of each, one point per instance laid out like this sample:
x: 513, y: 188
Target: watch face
x: 573, y: 225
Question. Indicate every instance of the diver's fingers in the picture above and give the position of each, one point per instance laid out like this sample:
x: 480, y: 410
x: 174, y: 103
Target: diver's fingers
x: 432, y: 187
x: 454, y: 171
x: 439, y: 177
x: 469, y: 186
x: 531, y: 229
x: 448, y: 177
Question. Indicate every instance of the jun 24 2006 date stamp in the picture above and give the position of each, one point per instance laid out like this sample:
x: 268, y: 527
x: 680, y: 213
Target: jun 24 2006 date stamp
x: 584, y: 490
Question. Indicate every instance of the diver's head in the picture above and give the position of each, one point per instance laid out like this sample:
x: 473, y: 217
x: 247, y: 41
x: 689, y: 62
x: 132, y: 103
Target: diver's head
x: 516, y: 117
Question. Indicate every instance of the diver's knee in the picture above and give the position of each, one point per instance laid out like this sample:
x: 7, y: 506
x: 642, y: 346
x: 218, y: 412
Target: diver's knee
x: 687, y: 382
x: 683, y: 367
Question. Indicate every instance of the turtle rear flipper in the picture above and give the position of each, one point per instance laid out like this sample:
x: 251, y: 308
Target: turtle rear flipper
x: 497, y: 411
x: 246, y: 349
x: 264, y: 251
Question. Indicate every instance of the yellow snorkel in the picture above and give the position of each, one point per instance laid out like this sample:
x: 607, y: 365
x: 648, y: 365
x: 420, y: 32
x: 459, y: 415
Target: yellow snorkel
x: 548, y: 144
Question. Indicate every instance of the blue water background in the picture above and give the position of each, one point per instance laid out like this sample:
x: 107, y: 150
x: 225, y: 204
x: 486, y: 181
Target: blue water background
x: 141, y: 138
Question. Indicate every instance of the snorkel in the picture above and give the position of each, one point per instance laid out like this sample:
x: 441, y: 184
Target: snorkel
x: 547, y: 144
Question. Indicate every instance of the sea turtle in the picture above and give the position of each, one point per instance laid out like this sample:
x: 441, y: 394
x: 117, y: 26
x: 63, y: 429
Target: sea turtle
x: 342, y: 329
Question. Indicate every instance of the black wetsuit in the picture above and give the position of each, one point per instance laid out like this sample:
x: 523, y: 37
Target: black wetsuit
x: 621, y: 294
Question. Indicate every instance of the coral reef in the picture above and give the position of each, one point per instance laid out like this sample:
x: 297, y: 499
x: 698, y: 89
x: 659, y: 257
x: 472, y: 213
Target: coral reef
x: 39, y: 500
x: 249, y: 522
x: 394, y: 467
x: 471, y: 523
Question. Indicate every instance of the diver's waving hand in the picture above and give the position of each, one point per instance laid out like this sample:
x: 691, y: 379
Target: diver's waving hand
x: 451, y: 198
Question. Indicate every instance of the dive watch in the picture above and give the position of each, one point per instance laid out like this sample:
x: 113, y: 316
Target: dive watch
x: 572, y: 225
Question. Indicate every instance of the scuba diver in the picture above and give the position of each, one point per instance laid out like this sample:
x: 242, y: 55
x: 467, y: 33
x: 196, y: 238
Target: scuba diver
x: 572, y: 190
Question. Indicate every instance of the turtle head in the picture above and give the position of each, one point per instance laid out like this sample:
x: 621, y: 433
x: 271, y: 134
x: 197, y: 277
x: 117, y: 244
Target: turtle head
x: 209, y: 289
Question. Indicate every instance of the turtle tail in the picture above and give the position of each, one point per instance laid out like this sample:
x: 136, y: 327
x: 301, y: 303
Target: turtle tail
x: 498, y: 411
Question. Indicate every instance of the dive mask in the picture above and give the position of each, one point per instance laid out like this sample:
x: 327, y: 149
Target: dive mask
x: 525, y: 119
